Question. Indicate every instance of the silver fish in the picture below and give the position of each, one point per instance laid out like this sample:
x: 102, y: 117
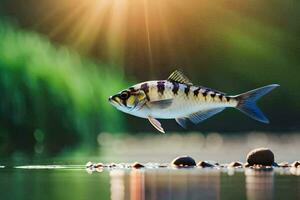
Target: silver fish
x: 177, y: 98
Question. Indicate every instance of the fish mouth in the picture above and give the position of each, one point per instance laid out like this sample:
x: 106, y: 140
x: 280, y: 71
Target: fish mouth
x: 113, y: 101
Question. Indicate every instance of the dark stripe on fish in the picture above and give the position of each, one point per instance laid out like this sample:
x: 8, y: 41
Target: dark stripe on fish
x: 186, y: 90
x: 204, y: 93
x: 213, y: 95
x: 131, y: 89
x: 124, y: 101
x: 227, y: 98
x: 145, y: 88
x: 196, y: 92
x: 161, y: 87
x: 175, y: 87
x: 221, y: 96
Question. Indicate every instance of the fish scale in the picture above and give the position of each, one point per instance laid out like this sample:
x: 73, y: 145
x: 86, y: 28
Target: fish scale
x: 184, y: 100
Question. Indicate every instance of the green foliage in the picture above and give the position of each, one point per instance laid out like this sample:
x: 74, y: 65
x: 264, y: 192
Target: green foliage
x: 50, y: 97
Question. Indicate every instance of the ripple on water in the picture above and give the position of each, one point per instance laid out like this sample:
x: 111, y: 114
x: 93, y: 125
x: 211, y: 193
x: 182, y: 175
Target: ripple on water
x: 50, y: 167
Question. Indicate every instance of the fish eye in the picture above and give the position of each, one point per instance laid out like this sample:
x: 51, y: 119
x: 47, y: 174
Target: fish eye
x: 124, y: 95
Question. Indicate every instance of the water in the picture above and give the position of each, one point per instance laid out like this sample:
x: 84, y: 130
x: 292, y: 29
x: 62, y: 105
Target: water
x: 75, y: 182
x: 23, y: 178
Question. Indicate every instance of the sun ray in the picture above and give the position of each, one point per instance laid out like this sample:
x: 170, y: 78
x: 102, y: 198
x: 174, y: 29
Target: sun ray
x: 165, y: 33
x: 146, y: 19
x: 67, y: 21
x: 114, y: 29
x: 77, y: 28
x: 116, y: 33
x: 45, y: 19
x: 90, y: 30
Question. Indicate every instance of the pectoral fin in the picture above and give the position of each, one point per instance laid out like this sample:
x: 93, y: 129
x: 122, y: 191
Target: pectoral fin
x: 203, y: 115
x: 156, y: 124
x: 160, y: 104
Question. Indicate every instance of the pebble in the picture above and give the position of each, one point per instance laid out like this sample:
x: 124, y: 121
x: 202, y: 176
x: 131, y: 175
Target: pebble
x: 260, y: 156
x: 296, y: 164
x: 184, y: 161
x: 246, y: 165
x: 163, y: 165
x: 112, y: 165
x: 235, y: 164
x: 205, y: 164
x: 89, y: 164
x: 260, y: 159
x: 284, y: 164
x: 137, y: 165
x: 98, y: 165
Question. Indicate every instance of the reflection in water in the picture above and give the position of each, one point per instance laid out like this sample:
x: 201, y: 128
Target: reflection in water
x: 50, y: 183
x: 259, y: 184
x: 117, y: 184
x: 165, y: 184
x: 137, y: 185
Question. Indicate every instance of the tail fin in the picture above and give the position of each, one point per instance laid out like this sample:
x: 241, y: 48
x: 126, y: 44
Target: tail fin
x: 247, y: 102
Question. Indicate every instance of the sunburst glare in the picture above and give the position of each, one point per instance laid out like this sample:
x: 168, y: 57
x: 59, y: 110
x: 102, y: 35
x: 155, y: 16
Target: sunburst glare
x: 110, y: 27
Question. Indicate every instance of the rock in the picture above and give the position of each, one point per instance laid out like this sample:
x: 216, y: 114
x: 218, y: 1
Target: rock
x: 223, y: 165
x: 246, y: 165
x: 184, y: 161
x: 99, y: 165
x: 89, y: 164
x: 296, y: 164
x: 163, y: 165
x: 284, y: 164
x: 112, y: 165
x: 235, y: 164
x: 260, y: 156
x: 205, y: 164
x: 137, y: 165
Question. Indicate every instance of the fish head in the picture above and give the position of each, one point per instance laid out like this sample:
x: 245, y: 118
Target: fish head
x: 128, y: 100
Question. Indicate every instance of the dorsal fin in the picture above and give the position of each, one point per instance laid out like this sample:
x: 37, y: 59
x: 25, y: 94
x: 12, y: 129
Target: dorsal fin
x: 179, y: 77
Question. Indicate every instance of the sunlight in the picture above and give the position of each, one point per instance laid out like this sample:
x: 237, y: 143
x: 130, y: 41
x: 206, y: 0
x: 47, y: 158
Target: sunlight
x: 104, y: 25
x: 116, y: 31
x: 145, y: 4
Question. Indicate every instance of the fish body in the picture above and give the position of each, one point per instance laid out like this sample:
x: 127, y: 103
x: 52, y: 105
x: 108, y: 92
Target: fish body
x: 177, y: 98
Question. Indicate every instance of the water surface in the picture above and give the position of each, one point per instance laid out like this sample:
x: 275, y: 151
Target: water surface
x: 75, y: 182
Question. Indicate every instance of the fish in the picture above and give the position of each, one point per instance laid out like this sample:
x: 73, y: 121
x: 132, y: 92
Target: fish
x: 178, y: 98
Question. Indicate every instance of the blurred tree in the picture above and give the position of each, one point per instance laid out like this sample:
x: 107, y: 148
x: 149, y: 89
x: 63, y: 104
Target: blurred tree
x: 51, y: 98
